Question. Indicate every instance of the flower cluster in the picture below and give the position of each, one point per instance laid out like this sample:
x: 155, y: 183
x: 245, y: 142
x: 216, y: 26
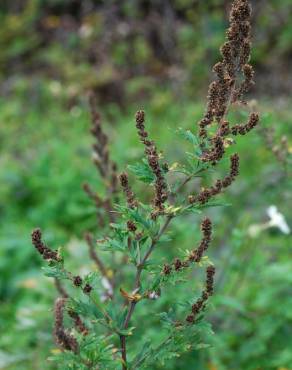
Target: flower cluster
x: 49, y: 254
x: 206, y: 228
x: 43, y: 249
x: 124, y: 181
x: 243, y: 129
x: 63, y: 338
x: 217, y: 150
x: 200, y: 304
x: 78, y: 323
x: 197, y: 254
x: 131, y: 226
x: 226, y: 90
x: 78, y: 282
x: 161, y: 192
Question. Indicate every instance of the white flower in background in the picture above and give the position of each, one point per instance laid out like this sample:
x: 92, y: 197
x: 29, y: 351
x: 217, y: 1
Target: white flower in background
x: 153, y: 295
x: 107, y: 285
x: 277, y: 219
x: 108, y: 289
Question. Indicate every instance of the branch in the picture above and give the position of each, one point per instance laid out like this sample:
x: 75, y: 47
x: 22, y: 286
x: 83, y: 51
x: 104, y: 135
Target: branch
x: 133, y: 303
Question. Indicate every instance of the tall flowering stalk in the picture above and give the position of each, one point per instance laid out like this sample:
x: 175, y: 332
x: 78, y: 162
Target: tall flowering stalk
x: 134, y: 230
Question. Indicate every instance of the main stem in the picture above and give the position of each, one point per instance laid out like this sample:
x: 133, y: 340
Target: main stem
x: 133, y: 303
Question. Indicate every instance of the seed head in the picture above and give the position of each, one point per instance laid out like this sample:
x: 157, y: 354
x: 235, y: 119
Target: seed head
x: 43, y: 249
x: 77, y: 281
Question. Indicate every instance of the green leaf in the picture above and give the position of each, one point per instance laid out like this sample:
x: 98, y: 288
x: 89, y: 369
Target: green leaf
x: 215, y: 204
x: 55, y: 271
x: 143, y: 172
x: 139, y: 218
x: 113, y: 245
x: 196, y: 208
x: 86, y: 309
x: 189, y: 136
x: 193, y: 209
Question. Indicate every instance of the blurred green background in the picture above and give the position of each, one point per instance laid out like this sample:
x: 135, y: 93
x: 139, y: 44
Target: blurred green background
x: 155, y: 54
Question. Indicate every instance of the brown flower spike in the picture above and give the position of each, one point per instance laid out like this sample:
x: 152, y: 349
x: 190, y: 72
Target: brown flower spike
x: 161, y: 192
x: 200, y: 304
x: 43, y: 249
x: 64, y: 339
x: 228, y: 88
x: 196, y: 255
x: 124, y: 181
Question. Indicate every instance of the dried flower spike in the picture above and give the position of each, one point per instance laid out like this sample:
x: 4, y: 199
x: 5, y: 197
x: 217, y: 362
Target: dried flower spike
x: 78, y: 323
x: 43, y: 249
x: 200, y: 304
x: 243, y: 129
x: 161, y: 192
x: 87, y: 289
x: 77, y: 281
x: 206, y: 228
x: 226, y: 89
x: 124, y: 181
x: 131, y: 226
x: 64, y: 339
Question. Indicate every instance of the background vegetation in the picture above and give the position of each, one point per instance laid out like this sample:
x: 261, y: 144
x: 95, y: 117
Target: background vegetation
x: 154, y: 54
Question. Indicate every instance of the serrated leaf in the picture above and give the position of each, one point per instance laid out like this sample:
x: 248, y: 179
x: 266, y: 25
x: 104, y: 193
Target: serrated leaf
x: 85, y: 309
x: 143, y: 172
x: 55, y: 272
x: 113, y: 245
x: 193, y: 209
x: 139, y: 218
x: 189, y: 136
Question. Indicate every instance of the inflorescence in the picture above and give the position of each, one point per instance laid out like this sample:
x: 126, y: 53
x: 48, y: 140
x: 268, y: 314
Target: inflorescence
x: 124, y: 181
x: 65, y: 340
x: 195, y: 255
x: 43, y: 249
x: 227, y: 89
x: 200, y: 304
x: 161, y: 191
